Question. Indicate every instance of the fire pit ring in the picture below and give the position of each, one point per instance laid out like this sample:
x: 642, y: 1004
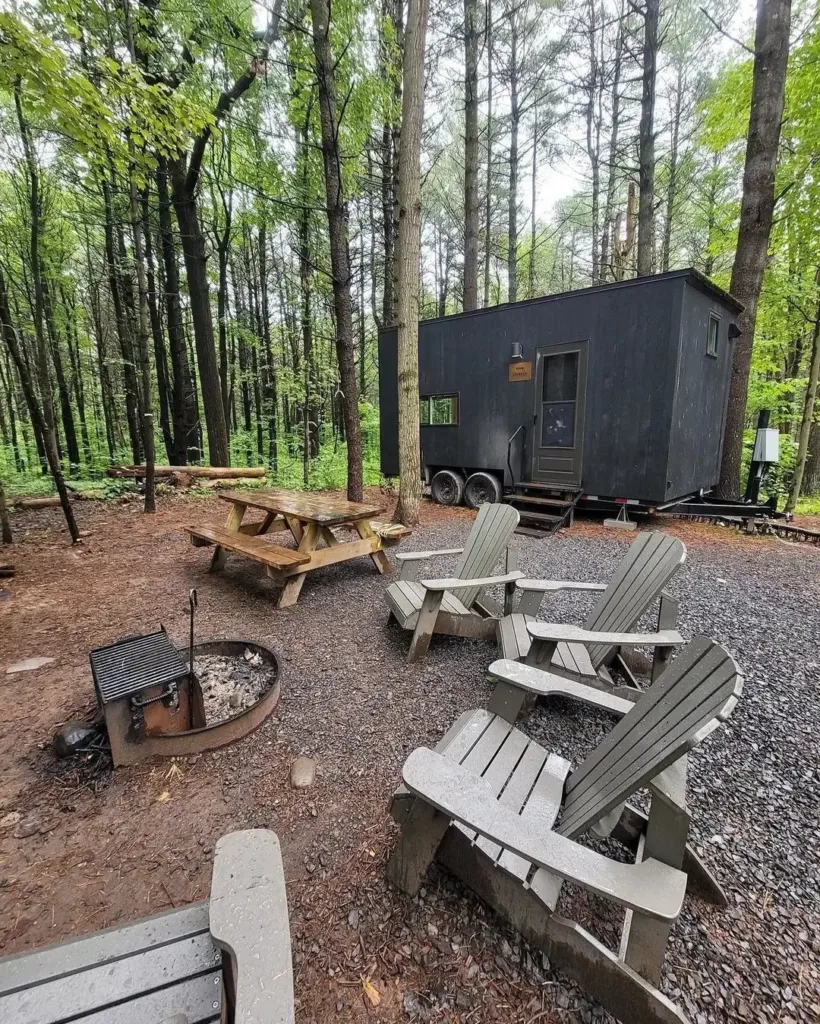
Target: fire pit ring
x: 219, y: 734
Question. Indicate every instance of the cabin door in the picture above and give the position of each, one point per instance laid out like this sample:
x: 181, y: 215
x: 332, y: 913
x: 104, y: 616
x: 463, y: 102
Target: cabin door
x: 560, y: 390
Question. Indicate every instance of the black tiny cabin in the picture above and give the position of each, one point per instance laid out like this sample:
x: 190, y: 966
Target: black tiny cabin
x: 618, y: 391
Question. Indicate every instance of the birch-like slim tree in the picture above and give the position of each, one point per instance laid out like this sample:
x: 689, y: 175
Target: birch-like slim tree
x: 408, y: 245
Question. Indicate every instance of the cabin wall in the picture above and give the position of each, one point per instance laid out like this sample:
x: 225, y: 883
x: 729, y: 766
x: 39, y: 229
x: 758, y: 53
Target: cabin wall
x: 652, y: 426
x: 630, y: 381
x: 701, y: 394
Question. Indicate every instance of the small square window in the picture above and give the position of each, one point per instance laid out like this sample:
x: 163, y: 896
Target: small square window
x: 438, y: 411
x: 712, y: 339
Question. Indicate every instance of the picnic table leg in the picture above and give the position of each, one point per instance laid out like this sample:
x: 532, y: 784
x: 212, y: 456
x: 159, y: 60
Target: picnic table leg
x: 295, y: 528
x: 232, y: 523
x: 380, y: 559
x: 267, y: 523
x: 307, y: 545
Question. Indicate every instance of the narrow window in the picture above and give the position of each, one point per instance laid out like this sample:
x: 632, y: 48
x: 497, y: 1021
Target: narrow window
x: 439, y: 411
x: 712, y: 339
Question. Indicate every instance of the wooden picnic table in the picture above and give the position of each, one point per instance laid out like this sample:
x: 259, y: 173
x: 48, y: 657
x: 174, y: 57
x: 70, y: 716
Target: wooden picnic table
x: 311, y: 520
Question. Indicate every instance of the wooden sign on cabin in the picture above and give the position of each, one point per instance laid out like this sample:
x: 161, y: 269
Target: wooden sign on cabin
x: 520, y: 371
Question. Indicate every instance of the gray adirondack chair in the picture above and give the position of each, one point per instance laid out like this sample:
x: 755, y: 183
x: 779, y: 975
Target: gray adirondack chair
x: 515, y: 849
x: 457, y: 605
x: 647, y: 567
x: 225, y: 960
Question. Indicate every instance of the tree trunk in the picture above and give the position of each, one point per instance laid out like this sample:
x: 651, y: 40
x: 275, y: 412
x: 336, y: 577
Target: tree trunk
x: 222, y: 320
x: 102, y: 358
x: 157, y: 334
x: 123, y: 327
x: 533, y: 197
x: 808, y: 417
x: 488, y: 208
x: 593, y: 137
x: 512, y: 209
x: 44, y: 420
x: 471, y: 202
x: 408, y: 245
x: 756, y: 211
x: 5, y: 524
x: 388, y: 237
x: 646, y: 142
x: 310, y: 411
x: 199, y: 293
x: 185, y: 414
x: 78, y: 386
x: 811, y: 474
x: 337, y: 216
x: 270, y: 389
x: 66, y: 412
x: 672, y: 191
x: 607, y: 247
x: 143, y: 332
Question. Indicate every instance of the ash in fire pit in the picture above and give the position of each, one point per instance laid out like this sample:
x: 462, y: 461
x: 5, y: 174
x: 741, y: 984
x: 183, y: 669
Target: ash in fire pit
x: 230, y: 684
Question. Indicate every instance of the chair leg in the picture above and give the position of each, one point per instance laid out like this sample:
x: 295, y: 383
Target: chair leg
x: 507, y: 701
x: 608, y: 980
x: 700, y: 879
x: 425, y: 625
x: 421, y: 834
x: 643, y: 941
x: 667, y: 619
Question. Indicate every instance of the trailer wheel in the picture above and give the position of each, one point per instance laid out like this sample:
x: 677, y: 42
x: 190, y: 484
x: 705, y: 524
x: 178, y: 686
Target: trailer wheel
x: 447, y: 487
x: 482, y: 489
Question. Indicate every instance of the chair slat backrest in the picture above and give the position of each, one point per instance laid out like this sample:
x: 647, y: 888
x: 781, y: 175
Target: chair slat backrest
x: 690, y: 699
x: 491, y: 533
x: 652, y: 560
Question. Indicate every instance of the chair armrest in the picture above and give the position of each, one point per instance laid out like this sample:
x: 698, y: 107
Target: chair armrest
x: 545, y: 684
x: 650, y: 887
x: 249, y: 919
x: 548, y: 586
x: 419, y: 556
x: 408, y: 560
x: 455, y: 584
x: 555, y: 633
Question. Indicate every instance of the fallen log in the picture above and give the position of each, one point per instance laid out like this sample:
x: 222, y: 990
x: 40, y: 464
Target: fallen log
x: 31, y: 503
x: 53, y: 500
x: 6, y: 571
x: 208, y: 472
x: 238, y: 481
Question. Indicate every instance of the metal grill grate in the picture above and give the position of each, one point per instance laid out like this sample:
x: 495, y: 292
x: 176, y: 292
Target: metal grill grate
x: 131, y: 665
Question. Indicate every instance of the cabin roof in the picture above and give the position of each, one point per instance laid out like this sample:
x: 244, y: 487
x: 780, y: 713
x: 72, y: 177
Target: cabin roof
x: 694, y: 277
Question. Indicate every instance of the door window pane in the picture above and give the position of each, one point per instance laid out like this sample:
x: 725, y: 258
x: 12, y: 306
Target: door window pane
x: 558, y: 424
x: 560, y: 377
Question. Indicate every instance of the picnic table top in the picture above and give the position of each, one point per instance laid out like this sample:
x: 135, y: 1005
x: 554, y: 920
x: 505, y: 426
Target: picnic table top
x: 302, y: 505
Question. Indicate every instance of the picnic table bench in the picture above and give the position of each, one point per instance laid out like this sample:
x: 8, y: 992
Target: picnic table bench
x: 222, y: 961
x: 311, y: 519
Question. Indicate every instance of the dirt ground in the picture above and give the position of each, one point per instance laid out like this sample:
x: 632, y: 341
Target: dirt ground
x: 79, y: 860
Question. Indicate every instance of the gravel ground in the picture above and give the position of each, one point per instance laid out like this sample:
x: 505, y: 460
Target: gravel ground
x: 350, y: 701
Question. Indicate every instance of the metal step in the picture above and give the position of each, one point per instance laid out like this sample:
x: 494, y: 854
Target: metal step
x: 568, y: 489
x: 531, y: 499
x: 539, y: 517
